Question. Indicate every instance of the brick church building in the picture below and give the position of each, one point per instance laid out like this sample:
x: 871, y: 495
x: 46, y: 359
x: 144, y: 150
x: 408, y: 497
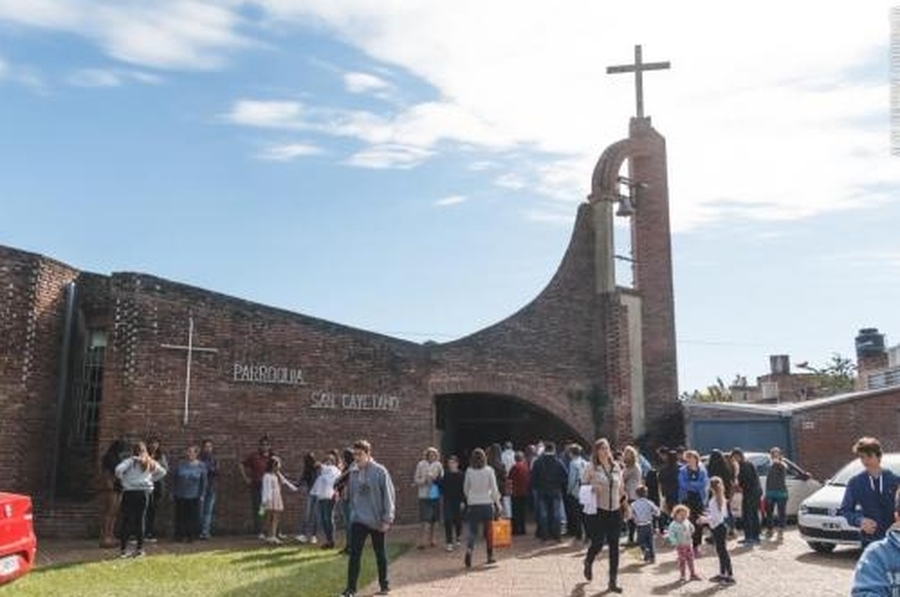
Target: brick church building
x: 86, y: 358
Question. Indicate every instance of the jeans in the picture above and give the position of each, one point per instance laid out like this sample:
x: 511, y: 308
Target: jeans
x: 358, y: 534
x: 604, y: 527
x: 548, y: 515
x: 326, y: 518
x: 479, y: 514
x: 773, y: 503
x: 452, y: 520
x: 309, y: 522
x: 645, y: 541
x: 206, y: 513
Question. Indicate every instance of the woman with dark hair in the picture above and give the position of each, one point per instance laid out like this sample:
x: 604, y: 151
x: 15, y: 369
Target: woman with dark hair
x: 112, y: 491
x: 603, y: 520
x: 137, y: 473
x: 309, y: 521
x: 154, y: 448
x: 483, y: 500
x: 668, y: 483
x: 718, y: 466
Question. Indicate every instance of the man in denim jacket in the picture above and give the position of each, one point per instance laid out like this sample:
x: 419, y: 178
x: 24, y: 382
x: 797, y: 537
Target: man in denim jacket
x: 878, y: 570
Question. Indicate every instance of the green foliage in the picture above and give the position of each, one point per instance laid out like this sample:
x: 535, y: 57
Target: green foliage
x: 261, y: 571
x: 837, y: 376
x: 718, y: 392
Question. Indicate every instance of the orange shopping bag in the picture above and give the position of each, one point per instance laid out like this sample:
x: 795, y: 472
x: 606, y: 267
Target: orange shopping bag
x: 501, y: 532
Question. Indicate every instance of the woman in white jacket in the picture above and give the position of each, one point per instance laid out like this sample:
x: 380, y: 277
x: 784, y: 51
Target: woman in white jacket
x: 482, y: 502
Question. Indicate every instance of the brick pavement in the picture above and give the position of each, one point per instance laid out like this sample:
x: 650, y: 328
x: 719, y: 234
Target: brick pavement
x: 532, y: 569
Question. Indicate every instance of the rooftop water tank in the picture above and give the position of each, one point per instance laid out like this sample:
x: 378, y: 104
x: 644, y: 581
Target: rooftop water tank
x: 869, y: 343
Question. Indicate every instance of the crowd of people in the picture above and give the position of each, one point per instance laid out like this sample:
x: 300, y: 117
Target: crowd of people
x: 602, y: 497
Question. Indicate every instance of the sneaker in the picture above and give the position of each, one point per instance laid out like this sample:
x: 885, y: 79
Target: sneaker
x: 138, y: 554
x: 491, y: 560
x: 728, y: 580
x: 204, y: 537
x: 313, y: 540
x: 347, y: 594
x: 614, y: 588
x: 273, y: 540
x: 261, y: 536
x: 123, y: 555
x: 383, y: 591
x: 302, y: 539
x: 695, y: 577
x: 150, y: 539
x: 716, y: 578
x: 449, y: 547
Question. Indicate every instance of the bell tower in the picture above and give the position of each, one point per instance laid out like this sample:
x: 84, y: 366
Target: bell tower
x: 630, y: 180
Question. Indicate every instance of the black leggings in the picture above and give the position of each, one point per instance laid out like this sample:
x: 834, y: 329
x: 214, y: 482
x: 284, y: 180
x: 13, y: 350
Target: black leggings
x: 604, y: 527
x: 719, y: 535
x: 134, y: 517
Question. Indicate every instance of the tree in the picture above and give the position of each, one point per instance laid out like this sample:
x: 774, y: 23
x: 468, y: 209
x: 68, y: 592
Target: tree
x: 717, y: 392
x: 837, y: 376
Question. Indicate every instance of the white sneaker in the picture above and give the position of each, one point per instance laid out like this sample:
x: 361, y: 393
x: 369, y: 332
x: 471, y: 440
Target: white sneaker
x: 449, y: 547
x: 313, y: 540
x: 301, y: 538
x: 273, y: 540
x: 261, y: 536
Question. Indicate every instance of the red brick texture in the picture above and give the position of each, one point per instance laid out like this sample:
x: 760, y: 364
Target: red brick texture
x: 568, y: 342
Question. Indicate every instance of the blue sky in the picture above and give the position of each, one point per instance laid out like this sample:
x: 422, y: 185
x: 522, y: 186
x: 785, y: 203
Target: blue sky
x: 415, y: 168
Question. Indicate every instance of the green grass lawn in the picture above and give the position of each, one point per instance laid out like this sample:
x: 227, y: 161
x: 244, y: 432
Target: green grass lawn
x: 239, y: 573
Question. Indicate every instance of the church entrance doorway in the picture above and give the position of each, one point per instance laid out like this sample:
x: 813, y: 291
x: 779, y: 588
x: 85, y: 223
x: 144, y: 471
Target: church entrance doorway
x: 471, y: 420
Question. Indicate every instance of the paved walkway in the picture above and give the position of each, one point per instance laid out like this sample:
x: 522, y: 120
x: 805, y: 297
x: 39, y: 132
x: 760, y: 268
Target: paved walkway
x: 532, y: 569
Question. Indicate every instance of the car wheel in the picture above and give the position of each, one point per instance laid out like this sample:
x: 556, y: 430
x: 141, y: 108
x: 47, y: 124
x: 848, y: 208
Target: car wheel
x: 822, y: 547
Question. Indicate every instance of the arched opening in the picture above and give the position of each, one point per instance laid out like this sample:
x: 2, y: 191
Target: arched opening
x: 470, y: 420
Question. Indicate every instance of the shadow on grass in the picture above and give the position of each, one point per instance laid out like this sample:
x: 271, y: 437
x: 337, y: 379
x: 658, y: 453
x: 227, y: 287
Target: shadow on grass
x: 323, y: 576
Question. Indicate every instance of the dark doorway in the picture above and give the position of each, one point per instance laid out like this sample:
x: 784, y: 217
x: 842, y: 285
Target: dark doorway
x: 468, y: 421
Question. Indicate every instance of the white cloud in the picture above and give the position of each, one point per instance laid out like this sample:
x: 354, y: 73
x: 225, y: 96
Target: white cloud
x: 389, y: 156
x: 761, y: 120
x: 167, y: 34
x: 365, y: 83
x: 288, y: 152
x: 94, y: 77
x: 109, y: 77
x: 266, y: 114
x: 450, y: 200
x: 510, y: 181
x: 3, y: 68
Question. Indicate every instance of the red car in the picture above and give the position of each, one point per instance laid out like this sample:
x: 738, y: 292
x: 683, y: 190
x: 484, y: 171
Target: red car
x: 18, y: 545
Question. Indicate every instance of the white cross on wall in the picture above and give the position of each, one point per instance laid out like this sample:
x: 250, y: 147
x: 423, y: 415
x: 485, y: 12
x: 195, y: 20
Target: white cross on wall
x: 191, y: 349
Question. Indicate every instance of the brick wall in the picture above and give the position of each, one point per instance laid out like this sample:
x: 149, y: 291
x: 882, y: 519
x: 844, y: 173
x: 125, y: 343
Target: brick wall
x: 824, y: 435
x: 31, y: 326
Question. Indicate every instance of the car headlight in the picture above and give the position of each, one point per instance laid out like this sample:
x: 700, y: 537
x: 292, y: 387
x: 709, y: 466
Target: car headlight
x: 803, y: 509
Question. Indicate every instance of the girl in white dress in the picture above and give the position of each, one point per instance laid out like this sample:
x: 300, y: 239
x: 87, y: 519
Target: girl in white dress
x: 271, y: 504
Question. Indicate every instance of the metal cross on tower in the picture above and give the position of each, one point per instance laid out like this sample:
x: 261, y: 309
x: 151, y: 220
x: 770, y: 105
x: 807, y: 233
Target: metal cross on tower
x: 638, y: 69
x: 191, y: 349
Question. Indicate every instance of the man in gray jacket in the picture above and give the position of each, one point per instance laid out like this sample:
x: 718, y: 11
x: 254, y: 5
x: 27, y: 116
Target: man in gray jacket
x: 371, y: 494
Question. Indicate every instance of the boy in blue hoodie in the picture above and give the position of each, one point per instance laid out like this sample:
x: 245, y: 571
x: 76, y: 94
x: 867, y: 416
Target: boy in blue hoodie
x: 878, y: 570
x: 869, y: 498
